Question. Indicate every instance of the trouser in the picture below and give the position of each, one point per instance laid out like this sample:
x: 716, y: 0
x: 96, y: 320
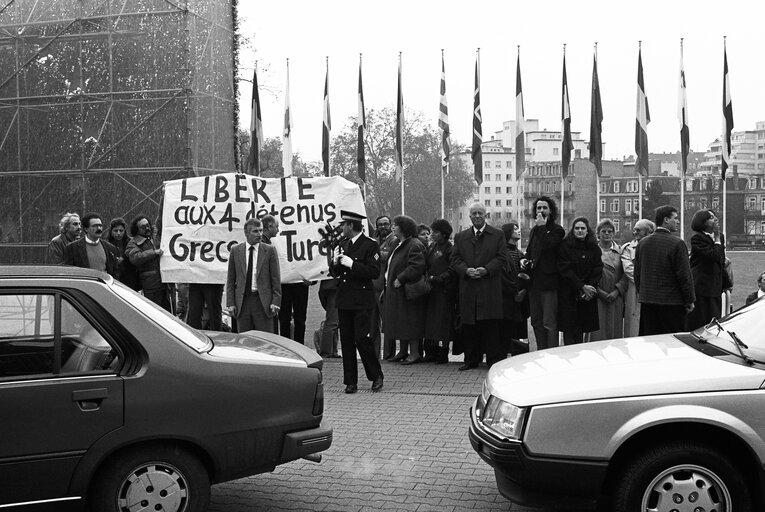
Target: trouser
x: 154, y: 289
x: 328, y: 300
x: 661, y: 319
x: 376, y: 333
x: 573, y: 337
x: 253, y: 316
x: 544, y: 316
x: 354, y: 335
x: 211, y: 295
x: 484, y: 336
x: 294, y: 308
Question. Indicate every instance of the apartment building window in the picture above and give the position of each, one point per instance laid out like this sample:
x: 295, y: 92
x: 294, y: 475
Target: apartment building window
x: 703, y: 184
x: 508, y: 215
x: 762, y: 227
x: 498, y: 202
x: 603, y: 187
x: 509, y: 190
x: 509, y: 165
x: 632, y: 186
x: 547, y: 188
x: 487, y: 203
x: 508, y: 177
x: 716, y: 184
x: 487, y: 177
x: 628, y: 206
x: 752, y: 183
x: 762, y: 203
x: 570, y: 186
x: 636, y: 205
x: 616, y: 225
x: 509, y: 202
x: 487, y: 190
x: 476, y: 189
x: 752, y: 202
x: 751, y: 227
x: 628, y: 226
x: 616, y: 187
x: 498, y: 177
x: 487, y: 165
x: 556, y: 151
x: 498, y: 190
x: 603, y: 205
x: 614, y: 205
x: 716, y: 203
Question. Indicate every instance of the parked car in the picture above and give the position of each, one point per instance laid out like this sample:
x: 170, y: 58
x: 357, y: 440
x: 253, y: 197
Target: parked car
x: 111, y: 402
x: 660, y: 423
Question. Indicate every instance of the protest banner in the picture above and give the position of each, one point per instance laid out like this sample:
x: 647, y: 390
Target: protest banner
x: 203, y: 218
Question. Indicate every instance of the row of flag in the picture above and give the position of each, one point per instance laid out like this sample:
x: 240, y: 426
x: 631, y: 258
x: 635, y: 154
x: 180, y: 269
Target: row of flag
x: 642, y: 120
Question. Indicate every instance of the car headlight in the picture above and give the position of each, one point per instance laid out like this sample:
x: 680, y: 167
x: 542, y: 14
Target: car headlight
x: 503, y: 418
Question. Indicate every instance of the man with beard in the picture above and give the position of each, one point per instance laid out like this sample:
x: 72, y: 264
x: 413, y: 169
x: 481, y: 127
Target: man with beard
x: 387, y: 242
x: 144, y: 253
x: 541, y: 264
x: 69, y: 228
x: 90, y: 251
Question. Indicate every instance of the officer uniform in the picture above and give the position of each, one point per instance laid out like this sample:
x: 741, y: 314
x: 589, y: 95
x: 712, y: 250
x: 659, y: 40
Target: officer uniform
x: 355, y: 302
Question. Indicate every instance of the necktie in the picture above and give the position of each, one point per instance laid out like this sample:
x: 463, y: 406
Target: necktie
x: 248, y: 278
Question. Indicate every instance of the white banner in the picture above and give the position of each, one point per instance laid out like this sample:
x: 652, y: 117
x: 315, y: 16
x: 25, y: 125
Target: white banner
x: 203, y: 218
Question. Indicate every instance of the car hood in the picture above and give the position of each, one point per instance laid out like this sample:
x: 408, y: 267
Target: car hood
x: 616, y: 368
x: 262, y: 347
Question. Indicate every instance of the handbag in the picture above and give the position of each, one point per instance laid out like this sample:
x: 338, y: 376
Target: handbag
x: 417, y: 289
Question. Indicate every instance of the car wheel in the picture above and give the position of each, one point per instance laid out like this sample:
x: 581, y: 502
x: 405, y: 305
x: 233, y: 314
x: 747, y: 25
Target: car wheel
x: 152, y: 478
x: 681, y: 476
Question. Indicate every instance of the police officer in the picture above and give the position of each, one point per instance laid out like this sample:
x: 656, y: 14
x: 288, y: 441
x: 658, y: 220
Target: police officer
x: 356, y: 262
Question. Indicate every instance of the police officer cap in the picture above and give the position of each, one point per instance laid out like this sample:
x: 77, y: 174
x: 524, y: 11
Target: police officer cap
x: 346, y: 215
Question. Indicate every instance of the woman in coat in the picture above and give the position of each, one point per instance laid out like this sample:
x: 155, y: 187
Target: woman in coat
x: 404, y: 319
x: 439, y: 312
x: 707, y: 267
x: 580, y: 267
x: 612, y: 286
x: 118, y: 237
x: 515, y: 300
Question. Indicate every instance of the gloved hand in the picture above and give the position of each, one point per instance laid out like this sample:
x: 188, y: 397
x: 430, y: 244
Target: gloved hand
x: 346, y: 261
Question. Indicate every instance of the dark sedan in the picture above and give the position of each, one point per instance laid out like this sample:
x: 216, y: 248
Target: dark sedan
x: 110, y: 401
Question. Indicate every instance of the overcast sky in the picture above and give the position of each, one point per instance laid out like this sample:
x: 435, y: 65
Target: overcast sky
x: 307, y: 31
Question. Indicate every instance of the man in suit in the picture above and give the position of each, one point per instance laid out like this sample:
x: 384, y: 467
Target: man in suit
x: 760, y: 290
x: 355, y: 264
x: 387, y: 242
x: 479, y: 257
x: 90, y: 251
x: 663, y: 277
x: 253, y: 285
x: 541, y: 264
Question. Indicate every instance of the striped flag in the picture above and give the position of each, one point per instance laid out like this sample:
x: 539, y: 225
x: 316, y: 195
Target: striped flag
x: 682, y: 117
x: 443, y: 120
x: 361, y: 121
x: 477, y: 130
x: 399, y: 128
x: 256, y: 129
x: 643, y: 117
x: 727, y: 118
x: 596, y: 121
x: 520, y: 137
x: 287, y: 132
x: 565, y: 114
x: 326, y: 126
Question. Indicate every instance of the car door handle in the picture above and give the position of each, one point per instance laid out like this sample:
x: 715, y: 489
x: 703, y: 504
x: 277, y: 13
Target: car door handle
x: 89, y: 399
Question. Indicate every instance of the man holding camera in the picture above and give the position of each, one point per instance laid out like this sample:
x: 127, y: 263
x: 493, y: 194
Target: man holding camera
x: 541, y: 264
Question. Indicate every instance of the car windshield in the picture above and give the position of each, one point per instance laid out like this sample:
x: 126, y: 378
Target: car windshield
x: 188, y: 335
x: 747, y: 323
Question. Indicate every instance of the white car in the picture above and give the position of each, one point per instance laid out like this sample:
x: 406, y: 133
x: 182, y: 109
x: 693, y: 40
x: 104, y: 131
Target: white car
x: 659, y: 423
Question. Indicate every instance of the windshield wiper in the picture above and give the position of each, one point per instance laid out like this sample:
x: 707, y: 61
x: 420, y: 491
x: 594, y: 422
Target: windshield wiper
x: 733, y: 336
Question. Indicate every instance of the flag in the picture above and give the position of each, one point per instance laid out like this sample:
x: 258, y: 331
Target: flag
x: 361, y: 121
x: 520, y: 137
x: 326, y: 126
x: 287, y: 132
x: 682, y: 116
x: 443, y: 121
x: 565, y: 115
x: 641, y: 123
x: 477, y: 130
x: 596, y: 121
x: 256, y: 130
x: 399, y: 128
x: 727, y: 118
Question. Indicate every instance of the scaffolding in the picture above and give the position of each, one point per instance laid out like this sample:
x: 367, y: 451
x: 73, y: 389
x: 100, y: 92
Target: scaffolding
x: 103, y: 100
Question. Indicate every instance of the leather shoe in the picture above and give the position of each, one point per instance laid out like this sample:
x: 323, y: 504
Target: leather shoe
x: 377, y: 384
x: 467, y: 366
x: 351, y: 388
x: 398, y: 357
x: 411, y: 361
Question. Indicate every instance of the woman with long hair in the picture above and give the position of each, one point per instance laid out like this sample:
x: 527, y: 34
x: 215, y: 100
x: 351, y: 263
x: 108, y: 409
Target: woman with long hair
x: 580, y: 267
x: 707, y: 267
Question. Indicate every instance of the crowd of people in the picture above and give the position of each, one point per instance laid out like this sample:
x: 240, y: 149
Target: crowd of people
x: 412, y: 293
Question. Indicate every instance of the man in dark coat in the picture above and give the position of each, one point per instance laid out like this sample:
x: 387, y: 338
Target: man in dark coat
x: 387, y: 241
x: 144, y: 252
x: 356, y: 263
x: 541, y: 264
x: 90, y: 251
x: 663, y: 277
x: 69, y: 228
x: 759, y: 292
x: 479, y: 258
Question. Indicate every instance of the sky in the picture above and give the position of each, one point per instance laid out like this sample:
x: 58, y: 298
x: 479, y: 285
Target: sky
x: 307, y: 32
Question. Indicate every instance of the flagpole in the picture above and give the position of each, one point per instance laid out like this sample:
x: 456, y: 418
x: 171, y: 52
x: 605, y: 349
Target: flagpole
x: 682, y: 168
x: 597, y: 197
x: 402, y: 133
x: 640, y: 196
x: 725, y: 146
x: 563, y: 149
x: 443, y: 206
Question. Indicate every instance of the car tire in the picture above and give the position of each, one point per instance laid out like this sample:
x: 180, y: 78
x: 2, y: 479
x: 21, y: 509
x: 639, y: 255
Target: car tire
x: 668, y: 476
x: 164, y: 476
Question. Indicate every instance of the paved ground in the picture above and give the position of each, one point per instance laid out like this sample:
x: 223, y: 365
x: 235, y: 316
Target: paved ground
x: 405, y: 448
